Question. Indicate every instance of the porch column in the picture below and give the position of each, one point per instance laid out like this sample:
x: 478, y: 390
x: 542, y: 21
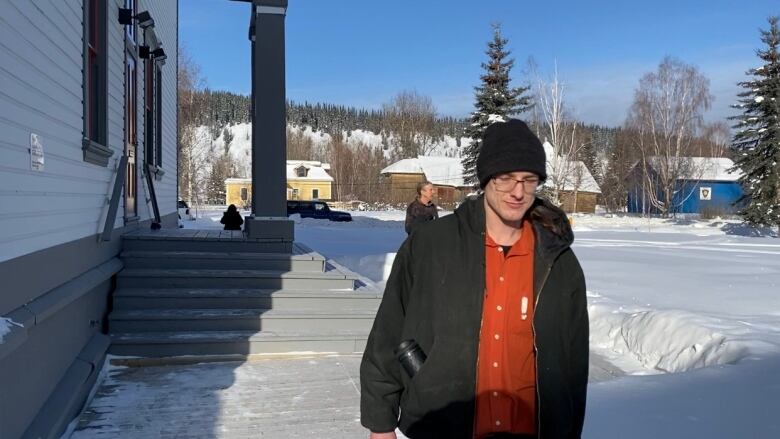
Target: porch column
x: 268, y: 220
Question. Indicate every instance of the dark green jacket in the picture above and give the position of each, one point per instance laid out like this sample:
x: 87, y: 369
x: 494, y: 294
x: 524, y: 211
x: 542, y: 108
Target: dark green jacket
x: 434, y: 295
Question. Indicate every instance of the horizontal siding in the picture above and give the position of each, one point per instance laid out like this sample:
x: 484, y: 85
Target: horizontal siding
x: 41, y: 62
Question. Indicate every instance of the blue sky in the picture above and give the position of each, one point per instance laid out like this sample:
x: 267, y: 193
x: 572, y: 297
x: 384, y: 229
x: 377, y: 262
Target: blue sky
x: 362, y: 53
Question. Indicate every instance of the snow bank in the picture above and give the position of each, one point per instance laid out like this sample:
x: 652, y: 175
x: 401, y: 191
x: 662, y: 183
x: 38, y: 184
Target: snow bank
x: 375, y: 267
x: 670, y: 341
x: 5, y: 327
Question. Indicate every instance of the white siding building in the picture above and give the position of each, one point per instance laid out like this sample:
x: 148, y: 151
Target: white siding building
x: 78, y: 92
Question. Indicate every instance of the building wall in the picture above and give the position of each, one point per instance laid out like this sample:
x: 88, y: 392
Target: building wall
x: 723, y: 195
x: 233, y: 191
x: 41, y: 62
x: 403, y: 187
x: 233, y: 194
x: 305, y: 189
x: 586, y: 202
x: 57, y: 273
x: 688, y: 199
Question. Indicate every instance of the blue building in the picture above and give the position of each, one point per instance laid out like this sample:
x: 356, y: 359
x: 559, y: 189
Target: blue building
x: 708, y: 187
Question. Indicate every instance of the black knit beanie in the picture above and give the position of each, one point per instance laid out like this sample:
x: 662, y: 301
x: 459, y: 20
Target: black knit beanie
x: 510, y: 147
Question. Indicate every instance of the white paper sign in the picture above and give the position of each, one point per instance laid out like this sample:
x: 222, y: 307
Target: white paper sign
x: 36, y: 153
x: 705, y: 193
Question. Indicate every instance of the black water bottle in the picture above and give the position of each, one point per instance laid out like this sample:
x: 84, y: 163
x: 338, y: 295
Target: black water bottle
x: 411, y: 356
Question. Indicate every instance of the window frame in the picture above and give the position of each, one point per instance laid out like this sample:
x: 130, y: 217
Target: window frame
x: 95, y: 83
x: 158, y: 101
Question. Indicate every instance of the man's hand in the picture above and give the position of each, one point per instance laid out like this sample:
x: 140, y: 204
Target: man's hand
x: 390, y: 435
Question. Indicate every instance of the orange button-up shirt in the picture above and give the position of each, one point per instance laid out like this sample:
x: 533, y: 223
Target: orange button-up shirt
x: 506, y: 368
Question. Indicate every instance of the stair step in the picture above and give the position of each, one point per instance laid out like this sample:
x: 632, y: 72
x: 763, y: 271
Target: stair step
x: 186, y: 243
x: 167, y: 344
x: 308, y: 262
x: 185, y: 298
x: 222, y: 278
x: 151, y: 320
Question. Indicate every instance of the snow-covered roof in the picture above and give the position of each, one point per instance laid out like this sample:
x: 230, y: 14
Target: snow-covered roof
x: 706, y: 168
x: 441, y: 171
x: 316, y: 171
x: 309, y: 164
x: 405, y: 166
x: 575, y: 171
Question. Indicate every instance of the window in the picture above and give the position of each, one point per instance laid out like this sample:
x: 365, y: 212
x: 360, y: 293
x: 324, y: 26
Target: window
x: 158, y: 113
x: 130, y: 29
x: 153, y: 113
x: 301, y: 171
x: 295, y: 194
x: 244, y: 194
x: 95, y: 129
x: 315, y: 193
x: 149, y: 116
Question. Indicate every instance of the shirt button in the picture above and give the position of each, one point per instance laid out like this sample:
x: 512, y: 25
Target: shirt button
x: 496, y: 336
x: 500, y: 249
x: 495, y: 393
x: 495, y: 364
x: 501, y: 278
x: 499, y: 307
x: 498, y: 422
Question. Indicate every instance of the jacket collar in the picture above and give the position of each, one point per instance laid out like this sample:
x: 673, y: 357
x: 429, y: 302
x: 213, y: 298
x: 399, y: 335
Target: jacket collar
x: 471, y: 214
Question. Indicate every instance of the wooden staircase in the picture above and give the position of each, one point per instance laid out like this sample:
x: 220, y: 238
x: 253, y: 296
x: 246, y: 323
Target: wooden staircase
x: 216, y: 293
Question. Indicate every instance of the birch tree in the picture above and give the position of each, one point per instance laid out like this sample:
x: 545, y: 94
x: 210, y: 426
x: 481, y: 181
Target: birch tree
x: 667, y: 115
x: 560, y: 130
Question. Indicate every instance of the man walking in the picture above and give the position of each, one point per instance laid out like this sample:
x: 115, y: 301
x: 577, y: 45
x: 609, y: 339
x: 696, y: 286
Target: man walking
x: 422, y: 208
x: 495, y: 298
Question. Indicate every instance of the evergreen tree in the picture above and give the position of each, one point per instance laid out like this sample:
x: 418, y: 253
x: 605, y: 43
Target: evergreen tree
x: 756, y: 144
x: 495, y: 100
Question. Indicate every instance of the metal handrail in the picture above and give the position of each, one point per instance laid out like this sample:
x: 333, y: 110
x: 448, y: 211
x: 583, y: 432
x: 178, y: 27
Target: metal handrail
x: 113, y: 204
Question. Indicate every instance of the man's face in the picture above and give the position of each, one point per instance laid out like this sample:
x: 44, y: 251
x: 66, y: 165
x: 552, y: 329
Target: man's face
x: 427, y: 192
x: 510, y: 195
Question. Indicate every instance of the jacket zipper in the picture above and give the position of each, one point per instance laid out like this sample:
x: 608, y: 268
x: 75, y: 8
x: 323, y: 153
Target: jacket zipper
x: 536, y: 355
x: 479, y: 337
x: 476, y: 375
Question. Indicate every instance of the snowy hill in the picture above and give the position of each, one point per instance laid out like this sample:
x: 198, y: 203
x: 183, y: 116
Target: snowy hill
x: 241, y: 144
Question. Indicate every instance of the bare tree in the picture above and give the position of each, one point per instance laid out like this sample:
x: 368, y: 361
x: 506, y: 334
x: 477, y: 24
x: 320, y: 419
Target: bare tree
x: 560, y: 130
x: 299, y: 145
x: 192, y: 157
x: 411, y: 118
x: 717, y: 138
x: 614, y: 188
x: 667, y: 115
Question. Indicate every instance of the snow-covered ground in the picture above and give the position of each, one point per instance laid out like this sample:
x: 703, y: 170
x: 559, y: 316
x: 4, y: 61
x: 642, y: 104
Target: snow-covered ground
x: 689, y: 309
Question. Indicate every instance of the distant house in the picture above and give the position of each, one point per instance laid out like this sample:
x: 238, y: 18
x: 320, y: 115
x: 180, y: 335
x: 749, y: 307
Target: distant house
x: 88, y: 126
x: 306, y: 180
x: 706, y: 187
x: 446, y: 174
x: 578, y: 191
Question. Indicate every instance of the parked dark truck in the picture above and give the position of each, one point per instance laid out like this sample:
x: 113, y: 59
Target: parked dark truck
x: 315, y: 209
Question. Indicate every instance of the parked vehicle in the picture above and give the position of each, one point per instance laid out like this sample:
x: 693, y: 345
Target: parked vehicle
x: 184, y: 211
x: 315, y: 209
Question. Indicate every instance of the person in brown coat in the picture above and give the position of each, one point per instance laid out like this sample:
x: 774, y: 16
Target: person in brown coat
x: 422, y: 208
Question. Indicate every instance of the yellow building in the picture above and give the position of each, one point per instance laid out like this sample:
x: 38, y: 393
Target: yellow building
x: 306, y: 180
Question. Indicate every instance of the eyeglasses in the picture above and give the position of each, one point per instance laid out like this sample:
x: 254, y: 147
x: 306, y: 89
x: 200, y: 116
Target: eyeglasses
x: 505, y: 183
